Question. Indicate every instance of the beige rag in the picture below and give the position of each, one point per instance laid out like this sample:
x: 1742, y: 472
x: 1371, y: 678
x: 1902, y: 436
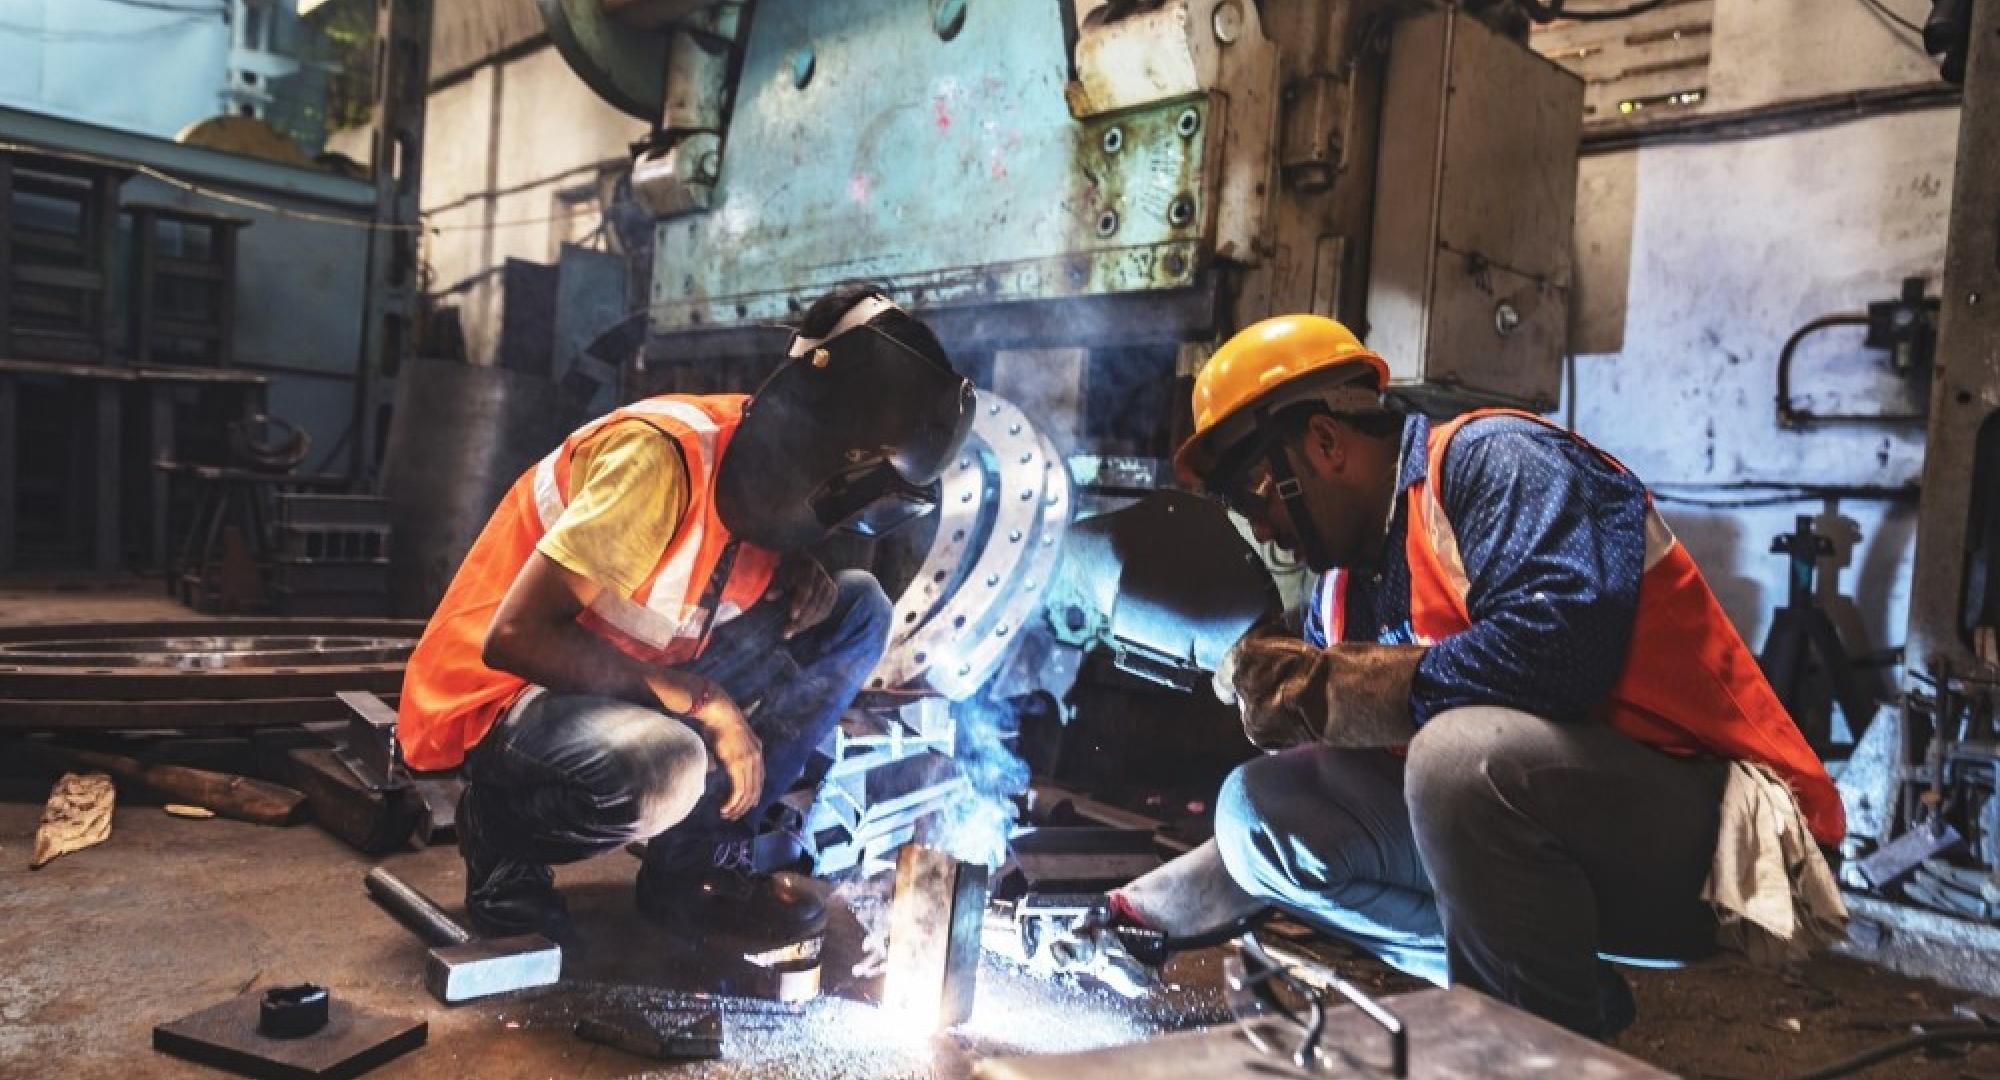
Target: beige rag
x: 1775, y: 898
x: 77, y: 816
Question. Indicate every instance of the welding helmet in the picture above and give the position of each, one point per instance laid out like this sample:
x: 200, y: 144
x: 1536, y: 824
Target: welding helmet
x: 848, y: 433
x: 1264, y: 368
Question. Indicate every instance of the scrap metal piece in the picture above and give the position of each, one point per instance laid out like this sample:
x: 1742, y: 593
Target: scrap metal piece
x: 660, y: 1037
x: 1076, y: 859
x: 370, y: 750
x: 934, y: 936
x: 226, y: 1036
x: 789, y: 973
x: 1903, y: 854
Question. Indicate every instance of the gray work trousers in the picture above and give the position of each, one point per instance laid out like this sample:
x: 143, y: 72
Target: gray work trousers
x: 1505, y: 852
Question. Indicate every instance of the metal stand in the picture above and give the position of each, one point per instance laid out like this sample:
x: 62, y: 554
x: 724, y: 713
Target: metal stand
x: 1801, y: 629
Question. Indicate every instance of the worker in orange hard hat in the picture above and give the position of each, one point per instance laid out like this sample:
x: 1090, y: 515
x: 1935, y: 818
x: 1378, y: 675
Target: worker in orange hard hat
x: 1248, y: 400
x: 1511, y: 724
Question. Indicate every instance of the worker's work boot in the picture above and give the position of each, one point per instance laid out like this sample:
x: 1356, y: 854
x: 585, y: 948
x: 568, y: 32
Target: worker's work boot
x: 770, y: 909
x: 1614, y: 997
x: 504, y: 896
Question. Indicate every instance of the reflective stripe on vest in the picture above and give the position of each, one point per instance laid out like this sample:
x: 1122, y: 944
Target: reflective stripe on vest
x: 662, y: 620
x: 1689, y: 686
x: 451, y: 698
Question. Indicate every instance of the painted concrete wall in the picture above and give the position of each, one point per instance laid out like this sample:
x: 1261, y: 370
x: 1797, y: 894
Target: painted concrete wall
x: 510, y: 156
x: 1696, y: 262
x: 122, y: 66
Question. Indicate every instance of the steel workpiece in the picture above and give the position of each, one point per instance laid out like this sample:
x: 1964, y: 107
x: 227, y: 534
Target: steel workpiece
x: 196, y: 674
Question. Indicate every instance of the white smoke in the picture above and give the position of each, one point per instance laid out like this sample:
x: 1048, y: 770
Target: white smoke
x: 976, y: 827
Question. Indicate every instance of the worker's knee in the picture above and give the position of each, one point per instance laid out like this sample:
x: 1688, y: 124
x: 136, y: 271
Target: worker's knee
x: 863, y: 608
x: 1466, y: 762
x: 1247, y: 810
x: 653, y: 771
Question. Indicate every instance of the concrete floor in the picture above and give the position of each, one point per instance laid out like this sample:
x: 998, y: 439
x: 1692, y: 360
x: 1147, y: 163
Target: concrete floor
x: 173, y: 915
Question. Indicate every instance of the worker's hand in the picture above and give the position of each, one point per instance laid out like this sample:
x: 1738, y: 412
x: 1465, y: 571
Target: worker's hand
x: 735, y: 748
x: 741, y: 757
x: 810, y: 592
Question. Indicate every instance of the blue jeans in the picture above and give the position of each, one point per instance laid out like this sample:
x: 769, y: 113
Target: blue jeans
x: 1505, y: 853
x: 562, y: 777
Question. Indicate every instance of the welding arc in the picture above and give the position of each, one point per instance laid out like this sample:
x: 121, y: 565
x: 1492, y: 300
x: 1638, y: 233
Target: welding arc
x: 1925, y: 1041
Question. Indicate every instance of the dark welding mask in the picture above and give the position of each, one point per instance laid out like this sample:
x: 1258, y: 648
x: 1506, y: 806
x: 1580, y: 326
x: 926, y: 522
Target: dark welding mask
x: 849, y: 433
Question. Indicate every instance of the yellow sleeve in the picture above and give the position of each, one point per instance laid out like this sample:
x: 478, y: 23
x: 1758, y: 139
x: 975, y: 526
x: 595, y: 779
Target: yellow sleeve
x: 628, y: 491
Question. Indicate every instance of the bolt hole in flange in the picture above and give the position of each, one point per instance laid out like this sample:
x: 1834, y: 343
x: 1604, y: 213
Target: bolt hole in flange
x: 1181, y: 210
x: 1107, y: 223
x: 1114, y: 139
x: 1188, y: 124
x: 948, y: 18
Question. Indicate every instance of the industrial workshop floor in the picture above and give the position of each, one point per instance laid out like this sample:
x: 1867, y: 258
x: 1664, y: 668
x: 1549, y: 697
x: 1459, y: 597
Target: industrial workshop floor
x: 172, y: 915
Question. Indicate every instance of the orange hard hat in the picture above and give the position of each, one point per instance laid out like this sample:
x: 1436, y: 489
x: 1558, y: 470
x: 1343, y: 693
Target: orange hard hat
x: 1267, y: 366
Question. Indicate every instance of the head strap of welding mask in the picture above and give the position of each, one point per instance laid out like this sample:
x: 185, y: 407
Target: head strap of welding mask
x: 858, y: 315
x: 1292, y: 493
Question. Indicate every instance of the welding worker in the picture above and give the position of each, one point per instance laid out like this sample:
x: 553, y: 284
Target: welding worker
x: 644, y: 587
x: 1502, y: 726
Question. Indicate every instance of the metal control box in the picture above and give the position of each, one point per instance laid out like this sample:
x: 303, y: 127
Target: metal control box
x: 1469, y: 267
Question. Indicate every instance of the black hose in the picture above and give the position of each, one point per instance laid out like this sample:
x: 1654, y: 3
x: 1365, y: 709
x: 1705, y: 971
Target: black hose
x: 1898, y: 1048
x: 1793, y: 417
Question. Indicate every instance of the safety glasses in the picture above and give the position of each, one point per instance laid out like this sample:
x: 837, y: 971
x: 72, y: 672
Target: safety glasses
x: 1248, y: 496
x: 1282, y: 1013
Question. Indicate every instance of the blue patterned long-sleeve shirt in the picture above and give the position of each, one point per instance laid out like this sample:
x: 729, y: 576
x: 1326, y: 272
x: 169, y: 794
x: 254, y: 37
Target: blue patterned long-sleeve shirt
x: 1553, y: 540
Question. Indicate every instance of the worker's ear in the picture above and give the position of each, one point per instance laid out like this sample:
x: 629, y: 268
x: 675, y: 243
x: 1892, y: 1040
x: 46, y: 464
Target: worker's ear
x: 1325, y: 445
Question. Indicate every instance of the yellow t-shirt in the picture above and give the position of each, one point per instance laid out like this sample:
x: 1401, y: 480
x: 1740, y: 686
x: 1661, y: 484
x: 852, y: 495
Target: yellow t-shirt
x: 628, y: 490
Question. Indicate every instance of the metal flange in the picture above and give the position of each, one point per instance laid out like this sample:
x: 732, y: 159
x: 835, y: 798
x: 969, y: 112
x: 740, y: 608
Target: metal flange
x: 1005, y: 506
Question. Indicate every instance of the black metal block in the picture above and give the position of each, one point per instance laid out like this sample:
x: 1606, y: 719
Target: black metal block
x: 353, y: 1041
x: 371, y: 821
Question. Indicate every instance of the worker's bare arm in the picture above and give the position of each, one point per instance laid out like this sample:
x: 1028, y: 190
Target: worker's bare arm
x: 535, y: 635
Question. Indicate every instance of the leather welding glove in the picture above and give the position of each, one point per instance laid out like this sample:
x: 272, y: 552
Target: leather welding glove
x: 1290, y: 693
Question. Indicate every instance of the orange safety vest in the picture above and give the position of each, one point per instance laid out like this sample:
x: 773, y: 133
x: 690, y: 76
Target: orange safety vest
x: 1690, y: 686
x: 451, y: 698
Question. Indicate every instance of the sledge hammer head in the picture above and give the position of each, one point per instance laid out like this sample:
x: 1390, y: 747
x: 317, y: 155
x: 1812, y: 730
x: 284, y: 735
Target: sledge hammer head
x: 460, y: 968
x: 480, y: 969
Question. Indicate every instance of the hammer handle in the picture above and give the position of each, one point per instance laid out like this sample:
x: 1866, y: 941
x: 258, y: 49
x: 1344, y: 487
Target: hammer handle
x: 414, y: 909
